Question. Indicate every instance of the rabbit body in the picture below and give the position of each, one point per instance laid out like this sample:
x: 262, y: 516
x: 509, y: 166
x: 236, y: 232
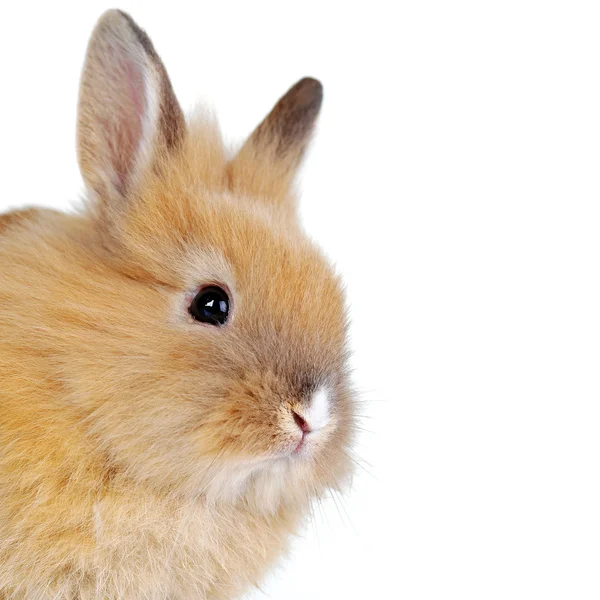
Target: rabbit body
x: 144, y: 453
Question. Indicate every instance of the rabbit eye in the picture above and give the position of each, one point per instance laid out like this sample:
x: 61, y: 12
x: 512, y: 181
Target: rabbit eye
x: 211, y: 305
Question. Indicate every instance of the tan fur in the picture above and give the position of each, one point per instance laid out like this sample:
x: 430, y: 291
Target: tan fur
x: 144, y: 455
x: 17, y: 217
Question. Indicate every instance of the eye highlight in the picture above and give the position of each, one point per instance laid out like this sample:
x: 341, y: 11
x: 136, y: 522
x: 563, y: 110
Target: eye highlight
x: 210, y: 305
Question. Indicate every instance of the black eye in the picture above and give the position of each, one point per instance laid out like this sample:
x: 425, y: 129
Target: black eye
x: 211, y: 305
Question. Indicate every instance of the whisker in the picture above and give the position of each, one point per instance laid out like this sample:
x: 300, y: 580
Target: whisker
x: 336, y: 490
x: 363, y: 429
x: 362, y: 467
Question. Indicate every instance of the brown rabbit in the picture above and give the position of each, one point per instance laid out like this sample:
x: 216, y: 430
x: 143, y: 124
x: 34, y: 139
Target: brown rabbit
x: 173, y: 359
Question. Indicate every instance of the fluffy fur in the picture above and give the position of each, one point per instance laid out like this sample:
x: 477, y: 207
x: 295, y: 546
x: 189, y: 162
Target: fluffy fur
x: 144, y: 454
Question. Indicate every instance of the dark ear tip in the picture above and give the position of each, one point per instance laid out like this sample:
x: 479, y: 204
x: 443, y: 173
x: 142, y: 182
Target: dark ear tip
x: 310, y: 83
x: 123, y: 16
x: 116, y: 19
x: 113, y: 15
x: 307, y: 92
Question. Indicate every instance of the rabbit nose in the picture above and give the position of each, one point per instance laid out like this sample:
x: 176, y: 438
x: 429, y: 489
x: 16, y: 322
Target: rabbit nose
x: 301, y: 422
x: 316, y: 415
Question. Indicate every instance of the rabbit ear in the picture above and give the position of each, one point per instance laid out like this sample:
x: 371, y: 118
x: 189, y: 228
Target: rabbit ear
x: 266, y: 164
x: 128, y: 114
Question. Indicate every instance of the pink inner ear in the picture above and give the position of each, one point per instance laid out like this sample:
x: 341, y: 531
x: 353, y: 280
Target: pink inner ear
x: 130, y: 105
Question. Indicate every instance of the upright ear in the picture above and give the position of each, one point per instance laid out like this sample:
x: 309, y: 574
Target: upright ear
x: 267, y: 163
x: 128, y: 114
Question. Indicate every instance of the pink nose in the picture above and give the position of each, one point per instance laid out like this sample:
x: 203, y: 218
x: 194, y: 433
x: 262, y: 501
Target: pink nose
x: 304, y: 426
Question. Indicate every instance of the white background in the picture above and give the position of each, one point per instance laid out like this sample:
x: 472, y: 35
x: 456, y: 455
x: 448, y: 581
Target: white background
x: 454, y: 181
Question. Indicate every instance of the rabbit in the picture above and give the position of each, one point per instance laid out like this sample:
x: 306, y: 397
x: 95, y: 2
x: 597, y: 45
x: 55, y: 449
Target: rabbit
x: 174, y: 380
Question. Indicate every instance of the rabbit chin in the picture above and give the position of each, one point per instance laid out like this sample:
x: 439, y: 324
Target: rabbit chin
x: 265, y: 484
